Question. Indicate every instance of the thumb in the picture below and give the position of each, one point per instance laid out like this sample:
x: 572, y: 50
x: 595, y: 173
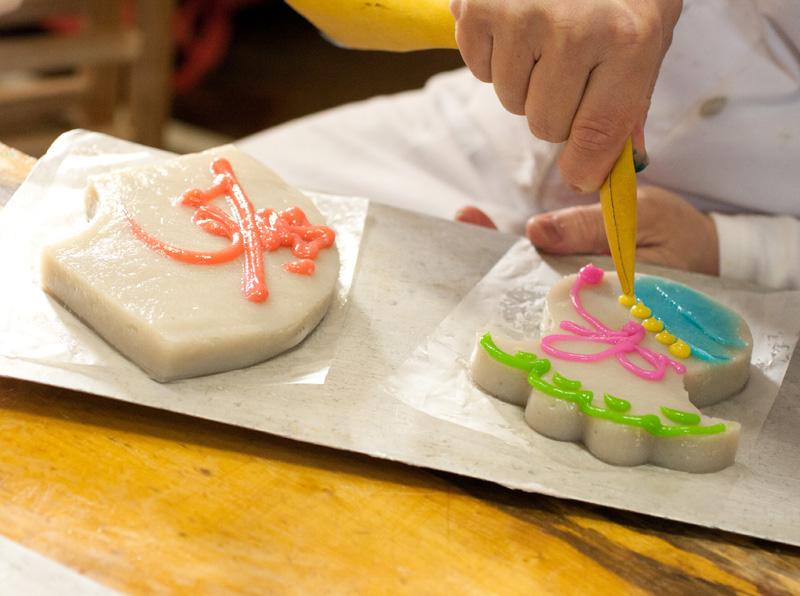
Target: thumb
x: 575, y: 230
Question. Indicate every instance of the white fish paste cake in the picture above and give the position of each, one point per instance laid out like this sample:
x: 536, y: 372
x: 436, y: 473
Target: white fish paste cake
x: 615, y: 402
x: 176, y: 319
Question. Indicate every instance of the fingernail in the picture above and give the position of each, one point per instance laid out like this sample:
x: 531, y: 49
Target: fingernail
x: 547, y: 231
x: 640, y: 160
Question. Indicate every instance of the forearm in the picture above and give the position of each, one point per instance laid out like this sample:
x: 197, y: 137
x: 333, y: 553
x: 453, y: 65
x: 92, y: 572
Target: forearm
x: 759, y: 248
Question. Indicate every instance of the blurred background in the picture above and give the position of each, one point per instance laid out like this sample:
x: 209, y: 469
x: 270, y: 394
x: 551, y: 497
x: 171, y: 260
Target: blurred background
x: 184, y: 75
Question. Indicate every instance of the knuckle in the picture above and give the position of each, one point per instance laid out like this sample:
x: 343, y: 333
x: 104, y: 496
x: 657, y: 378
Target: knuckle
x: 596, y: 135
x: 476, y: 56
x: 480, y: 70
x: 512, y: 102
x: 470, y: 11
x: 630, y: 30
x: 575, y: 174
x: 542, y: 129
x: 571, y: 32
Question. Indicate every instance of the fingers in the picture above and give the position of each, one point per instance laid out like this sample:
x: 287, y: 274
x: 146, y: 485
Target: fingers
x: 473, y: 215
x: 474, y: 39
x: 610, y: 108
x: 575, y: 230
x: 580, y: 230
x: 670, y: 232
x: 580, y: 71
x: 513, y: 61
x: 498, y: 43
x: 554, y: 94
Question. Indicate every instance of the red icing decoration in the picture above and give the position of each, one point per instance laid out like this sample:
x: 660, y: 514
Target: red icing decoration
x: 250, y: 231
x: 301, y: 267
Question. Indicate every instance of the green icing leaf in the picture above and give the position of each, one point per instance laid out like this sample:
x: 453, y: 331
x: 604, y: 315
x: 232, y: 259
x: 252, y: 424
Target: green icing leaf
x: 680, y: 416
x: 565, y: 383
x: 616, y: 403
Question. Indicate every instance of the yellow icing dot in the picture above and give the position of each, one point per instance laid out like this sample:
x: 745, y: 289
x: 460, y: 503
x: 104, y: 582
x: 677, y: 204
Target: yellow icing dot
x: 666, y: 338
x: 640, y: 311
x: 653, y: 324
x: 627, y: 300
x: 680, y: 349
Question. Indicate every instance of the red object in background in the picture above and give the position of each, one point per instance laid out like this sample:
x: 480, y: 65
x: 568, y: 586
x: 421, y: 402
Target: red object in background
x: 203, y: 31
x: 202, y: 34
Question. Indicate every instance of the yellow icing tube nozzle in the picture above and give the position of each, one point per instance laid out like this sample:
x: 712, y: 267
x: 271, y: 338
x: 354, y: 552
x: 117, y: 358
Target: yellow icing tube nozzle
x: 392, y: 25
x: 618, y: 200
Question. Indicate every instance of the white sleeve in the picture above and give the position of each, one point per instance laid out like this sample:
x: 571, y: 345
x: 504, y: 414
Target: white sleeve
x: 762, y: 249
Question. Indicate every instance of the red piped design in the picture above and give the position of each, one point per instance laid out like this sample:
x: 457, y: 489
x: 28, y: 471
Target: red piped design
x: 251, y: 232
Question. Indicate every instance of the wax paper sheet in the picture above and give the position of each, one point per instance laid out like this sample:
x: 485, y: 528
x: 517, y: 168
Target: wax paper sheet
x: 396, y: 388
x: 24, y: 571
x: 510, y: 300
x: 34, y: 328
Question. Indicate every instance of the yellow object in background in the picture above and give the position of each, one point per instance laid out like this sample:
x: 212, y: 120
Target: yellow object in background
x: 618, y: 200
x: 392, y: 25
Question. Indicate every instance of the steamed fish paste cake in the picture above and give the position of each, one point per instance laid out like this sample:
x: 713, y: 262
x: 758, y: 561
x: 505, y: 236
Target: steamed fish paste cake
x: 207, y: 263
x: 625, y: 376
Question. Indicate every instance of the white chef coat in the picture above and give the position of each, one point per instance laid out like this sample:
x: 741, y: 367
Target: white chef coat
x: 723, y: 131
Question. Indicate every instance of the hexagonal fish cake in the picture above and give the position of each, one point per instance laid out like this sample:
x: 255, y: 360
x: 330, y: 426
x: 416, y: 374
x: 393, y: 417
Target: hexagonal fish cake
x: 195, y: 266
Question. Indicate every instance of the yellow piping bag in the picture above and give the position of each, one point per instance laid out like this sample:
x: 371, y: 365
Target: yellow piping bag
x: 618, y: 200
x: 393, y: 25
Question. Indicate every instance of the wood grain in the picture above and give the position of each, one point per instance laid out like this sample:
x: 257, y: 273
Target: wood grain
x: 151, y: 73
x: 145, y: 501
x: 47, y: 52
x: 32, y: 11
x: 103, y: 80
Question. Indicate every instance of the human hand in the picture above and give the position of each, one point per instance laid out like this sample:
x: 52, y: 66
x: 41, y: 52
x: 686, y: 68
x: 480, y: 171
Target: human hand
x: 582, y: 72
x: 670, y: 232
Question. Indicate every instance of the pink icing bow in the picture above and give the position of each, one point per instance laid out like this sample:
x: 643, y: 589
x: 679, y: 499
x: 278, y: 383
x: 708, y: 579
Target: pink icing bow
x: 622, y: 342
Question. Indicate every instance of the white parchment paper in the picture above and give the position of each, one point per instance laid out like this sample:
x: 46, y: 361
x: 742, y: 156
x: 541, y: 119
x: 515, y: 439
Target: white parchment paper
x: 35, y: 329
x: 510, y: 299
x: 23, y: 571
x: 397, y: 388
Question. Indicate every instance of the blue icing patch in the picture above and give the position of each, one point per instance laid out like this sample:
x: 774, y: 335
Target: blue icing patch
x: 709, y: 328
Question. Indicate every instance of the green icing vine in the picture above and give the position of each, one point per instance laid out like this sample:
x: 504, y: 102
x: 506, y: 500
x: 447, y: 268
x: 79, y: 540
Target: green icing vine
x: 616, y: 403
x: 570, y: 390
x: 565, y: 383
x: 681, y: 417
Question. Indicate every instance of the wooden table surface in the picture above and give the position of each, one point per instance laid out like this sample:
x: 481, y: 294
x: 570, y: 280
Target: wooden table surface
x: 146, y: 501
